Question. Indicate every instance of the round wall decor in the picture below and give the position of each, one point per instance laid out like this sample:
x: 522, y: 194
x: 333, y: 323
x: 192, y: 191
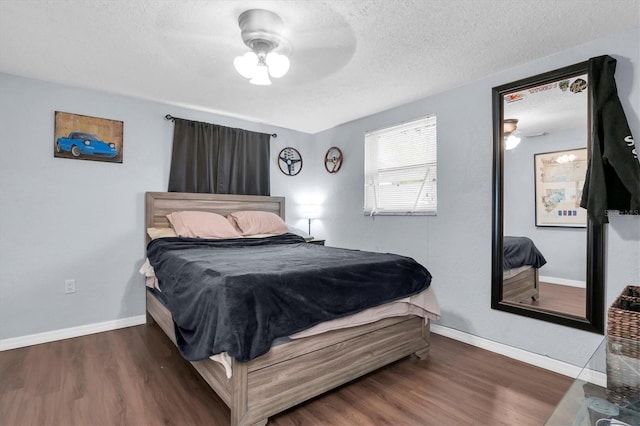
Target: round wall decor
x: 290, y: 161
x: 333, y: 159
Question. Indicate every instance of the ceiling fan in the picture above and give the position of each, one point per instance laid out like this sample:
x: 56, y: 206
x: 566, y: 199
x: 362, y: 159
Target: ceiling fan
x: 510, y: 126
x: 262, y: 33
x: 316, y: 38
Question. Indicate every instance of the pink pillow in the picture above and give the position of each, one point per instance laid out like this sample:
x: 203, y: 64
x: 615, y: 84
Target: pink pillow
x: 258, y: 222
x: 196, y: 224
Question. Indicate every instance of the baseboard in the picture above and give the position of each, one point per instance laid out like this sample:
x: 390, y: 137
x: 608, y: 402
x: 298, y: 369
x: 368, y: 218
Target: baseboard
x: 547, y: 363
x: 67, y: 333
x: 597, y: 377
x: 562, y: 281
x: 509, y: 351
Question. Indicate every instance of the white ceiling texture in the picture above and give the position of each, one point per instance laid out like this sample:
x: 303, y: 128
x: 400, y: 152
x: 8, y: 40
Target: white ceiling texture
x: 349, y: 58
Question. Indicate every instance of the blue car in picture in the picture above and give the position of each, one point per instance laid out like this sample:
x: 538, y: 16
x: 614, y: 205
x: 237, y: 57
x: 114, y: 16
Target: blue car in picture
x: 80, y: 143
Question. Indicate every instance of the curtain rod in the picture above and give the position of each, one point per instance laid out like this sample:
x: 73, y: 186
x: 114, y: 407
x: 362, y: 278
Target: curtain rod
x: 170, y: 117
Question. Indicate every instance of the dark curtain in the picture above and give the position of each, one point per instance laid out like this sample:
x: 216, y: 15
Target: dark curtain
x: 218, y: 160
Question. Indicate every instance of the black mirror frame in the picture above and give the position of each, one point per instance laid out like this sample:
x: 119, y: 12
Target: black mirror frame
x: 594, y: 320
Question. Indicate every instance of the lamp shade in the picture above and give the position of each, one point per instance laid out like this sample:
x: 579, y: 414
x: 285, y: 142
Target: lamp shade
x: 310, y: 211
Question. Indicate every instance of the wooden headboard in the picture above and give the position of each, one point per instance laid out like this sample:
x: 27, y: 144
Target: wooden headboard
x: 159, y: 204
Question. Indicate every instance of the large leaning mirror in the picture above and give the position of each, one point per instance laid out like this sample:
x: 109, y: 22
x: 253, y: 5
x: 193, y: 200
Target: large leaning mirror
x: 547, y: 255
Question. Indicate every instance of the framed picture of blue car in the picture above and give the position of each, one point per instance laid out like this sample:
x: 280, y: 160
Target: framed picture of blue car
x: 82, y: 137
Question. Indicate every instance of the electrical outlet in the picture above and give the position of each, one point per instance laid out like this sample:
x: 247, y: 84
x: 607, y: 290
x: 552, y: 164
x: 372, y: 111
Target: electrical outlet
x: 69, y: 286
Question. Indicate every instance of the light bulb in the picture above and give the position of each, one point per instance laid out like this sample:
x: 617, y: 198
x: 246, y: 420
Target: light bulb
x: 246, y: 64
x: 261, y: 76
x: 278, y: 64
x: 511, y: 142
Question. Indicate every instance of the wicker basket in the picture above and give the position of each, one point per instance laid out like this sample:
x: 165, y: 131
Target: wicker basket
x: 623, y: 319
x: 623, y: 348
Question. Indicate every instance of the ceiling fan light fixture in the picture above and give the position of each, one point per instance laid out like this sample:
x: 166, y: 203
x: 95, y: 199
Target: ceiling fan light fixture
x: 511, y: 142
x: 509, y: 126
x: 278, y: 64
x: 246, y: 64
x: 262, y: 33
x: 261, y: 76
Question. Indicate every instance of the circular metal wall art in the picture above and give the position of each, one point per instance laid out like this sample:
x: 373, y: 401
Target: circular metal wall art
x: 290, y: 161
x: 333, y: 159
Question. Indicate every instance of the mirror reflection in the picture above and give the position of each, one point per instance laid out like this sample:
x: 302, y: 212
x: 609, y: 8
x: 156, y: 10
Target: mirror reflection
x: 544, y: 165
x: 548, y: 258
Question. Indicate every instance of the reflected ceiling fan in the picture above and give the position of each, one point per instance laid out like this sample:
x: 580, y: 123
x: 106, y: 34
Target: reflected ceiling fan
x: 509, y: 127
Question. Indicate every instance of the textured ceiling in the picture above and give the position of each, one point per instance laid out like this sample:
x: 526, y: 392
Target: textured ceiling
x: 349, y: 58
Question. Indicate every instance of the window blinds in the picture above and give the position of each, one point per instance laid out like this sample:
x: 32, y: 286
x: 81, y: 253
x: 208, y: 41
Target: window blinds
x: 401, y: 168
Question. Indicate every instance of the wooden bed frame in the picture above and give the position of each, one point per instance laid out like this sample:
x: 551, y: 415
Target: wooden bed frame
x: 293, y: 372
x: 521, y: 287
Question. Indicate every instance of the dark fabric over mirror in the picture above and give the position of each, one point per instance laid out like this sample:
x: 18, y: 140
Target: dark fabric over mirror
x: 613, y: 177
x: 208, y: 158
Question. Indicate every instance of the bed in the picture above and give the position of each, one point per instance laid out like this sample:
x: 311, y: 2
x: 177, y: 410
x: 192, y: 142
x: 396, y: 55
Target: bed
x: 521, y: 262
x: 299, y: 369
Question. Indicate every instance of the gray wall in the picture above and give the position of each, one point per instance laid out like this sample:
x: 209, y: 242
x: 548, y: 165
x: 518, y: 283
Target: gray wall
x: 564, y: 248
x: 84, y: 220
x: 455, y: 245
x: 62, y: 219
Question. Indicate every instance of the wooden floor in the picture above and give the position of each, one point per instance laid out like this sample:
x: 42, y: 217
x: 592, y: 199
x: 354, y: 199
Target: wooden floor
x: 135, y: 376
x: 561, y: 298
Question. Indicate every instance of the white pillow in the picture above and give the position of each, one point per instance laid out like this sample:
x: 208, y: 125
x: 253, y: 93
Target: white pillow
x: 300, y: 232
x: 155, y: 233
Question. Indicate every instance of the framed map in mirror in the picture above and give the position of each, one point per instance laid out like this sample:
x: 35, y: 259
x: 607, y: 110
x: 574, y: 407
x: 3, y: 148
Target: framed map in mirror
x: 560, y: 177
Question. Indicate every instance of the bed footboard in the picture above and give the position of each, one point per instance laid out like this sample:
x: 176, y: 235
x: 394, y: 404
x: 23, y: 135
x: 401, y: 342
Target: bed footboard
x: 304, y: 368
x: 263, y: 392
x: 521, y: 287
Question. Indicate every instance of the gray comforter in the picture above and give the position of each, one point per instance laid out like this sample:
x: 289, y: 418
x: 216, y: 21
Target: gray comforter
x: 237, y: 296
x: 521, y: 251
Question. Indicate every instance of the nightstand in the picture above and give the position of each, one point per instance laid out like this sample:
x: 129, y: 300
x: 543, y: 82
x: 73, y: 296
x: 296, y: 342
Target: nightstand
x: 317, y: 242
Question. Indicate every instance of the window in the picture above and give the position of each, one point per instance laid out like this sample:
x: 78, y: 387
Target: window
x: 400, y: 169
